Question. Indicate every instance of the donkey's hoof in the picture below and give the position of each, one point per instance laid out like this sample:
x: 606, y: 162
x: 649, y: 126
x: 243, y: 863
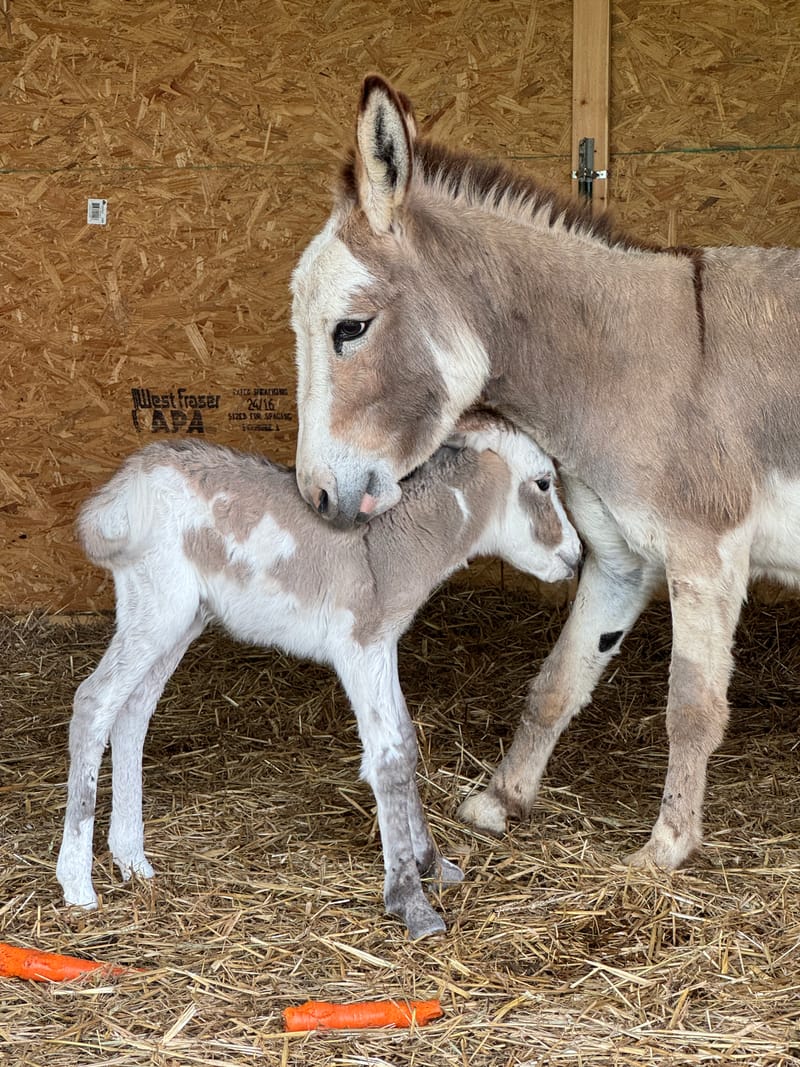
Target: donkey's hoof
x: 659, y: 856
x: 484, y: 812
x: 667, y: 849
x: 444, y: 872
x: 641, y: 859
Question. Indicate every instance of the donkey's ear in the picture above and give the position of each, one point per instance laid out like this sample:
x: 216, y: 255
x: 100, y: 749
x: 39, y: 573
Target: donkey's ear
x: 385, y: 134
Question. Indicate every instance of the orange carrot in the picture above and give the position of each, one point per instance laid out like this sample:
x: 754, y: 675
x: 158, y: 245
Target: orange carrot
x: 320, y: 1015
x: 46, y: 966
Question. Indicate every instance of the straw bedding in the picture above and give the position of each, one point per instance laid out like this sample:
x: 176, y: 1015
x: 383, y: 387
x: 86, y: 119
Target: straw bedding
x: 269, y: 875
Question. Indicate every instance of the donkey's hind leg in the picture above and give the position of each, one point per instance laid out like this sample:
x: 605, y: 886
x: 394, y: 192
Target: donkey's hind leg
x: 610, y: 597
x: 705, y: 607
x: 126, y: 830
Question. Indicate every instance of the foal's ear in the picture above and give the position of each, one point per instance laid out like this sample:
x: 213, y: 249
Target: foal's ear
x: 385, y: 133
x: 456, y: 440
x: 481, y: 429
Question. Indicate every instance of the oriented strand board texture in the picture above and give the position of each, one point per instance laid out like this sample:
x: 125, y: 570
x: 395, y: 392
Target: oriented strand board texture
x: 705, y: 120
x: 212, y: 130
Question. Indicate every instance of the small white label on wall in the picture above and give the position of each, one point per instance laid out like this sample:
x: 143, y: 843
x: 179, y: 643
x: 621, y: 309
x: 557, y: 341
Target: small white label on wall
x: 96, y: 212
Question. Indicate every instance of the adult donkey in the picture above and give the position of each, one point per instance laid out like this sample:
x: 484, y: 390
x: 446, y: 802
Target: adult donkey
x: 664, y: 383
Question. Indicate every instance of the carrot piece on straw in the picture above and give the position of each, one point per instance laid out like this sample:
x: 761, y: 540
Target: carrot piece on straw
x: 320, y: 1015
x: 46, y: 966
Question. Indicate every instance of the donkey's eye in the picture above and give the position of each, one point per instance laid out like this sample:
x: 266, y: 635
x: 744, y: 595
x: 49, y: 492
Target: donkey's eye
x: 348, y: 330
x: 543, y: 484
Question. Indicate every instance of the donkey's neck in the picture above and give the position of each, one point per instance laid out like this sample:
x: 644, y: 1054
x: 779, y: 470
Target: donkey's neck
x: 572, y: 325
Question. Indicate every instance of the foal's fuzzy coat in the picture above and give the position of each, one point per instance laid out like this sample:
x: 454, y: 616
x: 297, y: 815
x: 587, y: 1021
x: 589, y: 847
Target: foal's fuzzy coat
x: 194, y: 532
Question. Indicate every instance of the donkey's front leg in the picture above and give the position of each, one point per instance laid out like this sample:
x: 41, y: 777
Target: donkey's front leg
x: 705, y: 610
x: 369, y: 676
x: 611, y: 595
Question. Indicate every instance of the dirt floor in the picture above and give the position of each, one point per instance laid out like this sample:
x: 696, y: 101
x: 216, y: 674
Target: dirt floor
x: 268, y: 890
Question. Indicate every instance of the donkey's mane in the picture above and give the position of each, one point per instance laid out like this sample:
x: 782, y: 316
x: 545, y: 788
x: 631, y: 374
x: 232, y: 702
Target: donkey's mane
x: 495, y: 186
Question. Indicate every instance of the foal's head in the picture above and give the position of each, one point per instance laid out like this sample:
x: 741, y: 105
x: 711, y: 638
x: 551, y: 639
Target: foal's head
x: 529, y: 528
x: 384, y: 365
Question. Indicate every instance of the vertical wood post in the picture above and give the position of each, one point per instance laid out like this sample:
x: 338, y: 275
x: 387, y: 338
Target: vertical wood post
x: 590, y: 79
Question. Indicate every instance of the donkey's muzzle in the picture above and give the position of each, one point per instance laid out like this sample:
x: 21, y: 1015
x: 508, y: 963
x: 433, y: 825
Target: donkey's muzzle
x: 355, y: 506
x: 339, y: 511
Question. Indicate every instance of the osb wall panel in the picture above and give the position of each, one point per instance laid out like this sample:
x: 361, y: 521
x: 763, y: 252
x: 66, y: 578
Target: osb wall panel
x: 212, y: 131
x: 705, y: 120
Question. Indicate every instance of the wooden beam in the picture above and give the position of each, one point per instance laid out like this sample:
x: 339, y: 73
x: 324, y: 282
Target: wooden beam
x: 590, y: 81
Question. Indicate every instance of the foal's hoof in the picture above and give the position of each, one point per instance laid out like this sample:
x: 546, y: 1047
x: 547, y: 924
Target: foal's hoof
x: 424, y: 922
x: 484, y: 812
x: 81, y: 898
x: 76, y: 886
x: 419, y: 917
x: 138, y: 866
x: 444, y: 872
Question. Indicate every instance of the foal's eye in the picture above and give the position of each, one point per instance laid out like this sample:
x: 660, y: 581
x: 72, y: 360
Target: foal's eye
x: 543, y: 484
x: 348, y: 330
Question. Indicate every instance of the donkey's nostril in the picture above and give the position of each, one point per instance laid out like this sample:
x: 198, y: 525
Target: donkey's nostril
x: 322, y: 502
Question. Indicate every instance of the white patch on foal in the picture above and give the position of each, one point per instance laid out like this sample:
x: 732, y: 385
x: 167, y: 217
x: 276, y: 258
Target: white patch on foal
x: 461, y: 501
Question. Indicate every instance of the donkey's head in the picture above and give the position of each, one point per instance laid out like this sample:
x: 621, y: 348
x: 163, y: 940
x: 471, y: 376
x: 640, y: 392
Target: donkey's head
x: 385, y: 365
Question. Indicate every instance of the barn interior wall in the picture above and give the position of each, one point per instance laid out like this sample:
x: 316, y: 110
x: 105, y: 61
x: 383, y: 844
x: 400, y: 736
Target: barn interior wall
x: 212, y: 131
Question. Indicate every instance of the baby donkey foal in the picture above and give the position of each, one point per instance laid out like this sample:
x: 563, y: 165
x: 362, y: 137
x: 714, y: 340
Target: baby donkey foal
x: 193, y: 532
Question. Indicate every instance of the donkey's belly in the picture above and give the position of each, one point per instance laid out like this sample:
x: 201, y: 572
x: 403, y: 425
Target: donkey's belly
x: 775, y: 548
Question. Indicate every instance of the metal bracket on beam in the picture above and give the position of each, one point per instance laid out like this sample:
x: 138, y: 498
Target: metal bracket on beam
x: 586, y: 175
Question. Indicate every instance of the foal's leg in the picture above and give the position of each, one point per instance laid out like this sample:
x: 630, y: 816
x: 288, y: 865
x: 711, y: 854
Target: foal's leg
x: 369, y: 676
x: 126, y: 830
x: 98, y: 701
x: 705, y: 609
x: 145, y: 624
x: 611, y: 595
x: 430, y: 862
